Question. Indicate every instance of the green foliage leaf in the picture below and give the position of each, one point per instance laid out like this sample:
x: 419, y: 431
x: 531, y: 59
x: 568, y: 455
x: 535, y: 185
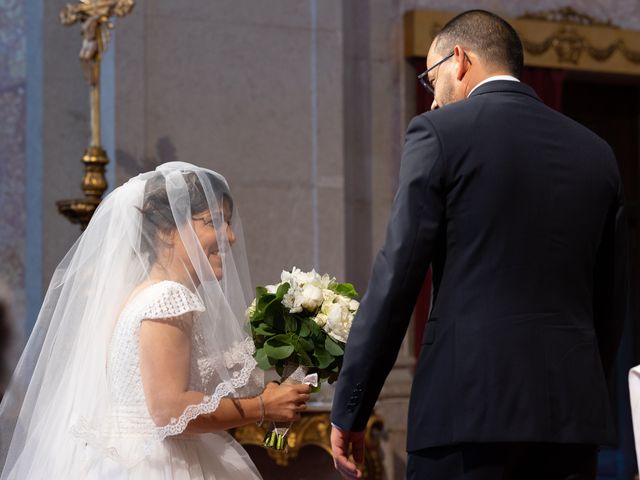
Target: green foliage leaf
x: 303, y: 357
x: 332, y: 347
x: 282, y: 290
x: 315, y: 331
x: 305, y: 330
x: 262, y: 359
x: 260, y: 291
x: 346, y: 289
x: 279, y: 347
x: 324, y: 358
x: 263, y: 329
x: 305, y: 344
x: 290, y: 324
x: 262, y: 305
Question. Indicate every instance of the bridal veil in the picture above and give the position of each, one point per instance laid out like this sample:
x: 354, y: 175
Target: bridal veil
x: 60, y: 402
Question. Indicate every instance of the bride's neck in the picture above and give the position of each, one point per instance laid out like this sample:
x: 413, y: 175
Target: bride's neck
x: 175, y: 271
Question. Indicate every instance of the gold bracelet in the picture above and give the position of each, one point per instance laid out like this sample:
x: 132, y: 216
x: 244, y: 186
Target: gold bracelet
x: 261, y: 411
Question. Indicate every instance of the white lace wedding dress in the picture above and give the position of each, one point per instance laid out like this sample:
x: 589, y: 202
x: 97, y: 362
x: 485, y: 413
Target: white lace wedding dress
x: 184, y: 456
x: 634, y: 390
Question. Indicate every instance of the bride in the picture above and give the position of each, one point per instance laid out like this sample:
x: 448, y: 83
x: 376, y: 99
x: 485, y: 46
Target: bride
x: 141, y: 358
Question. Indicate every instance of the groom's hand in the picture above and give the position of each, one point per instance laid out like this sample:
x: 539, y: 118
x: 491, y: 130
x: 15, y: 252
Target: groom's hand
x: 341, y: 442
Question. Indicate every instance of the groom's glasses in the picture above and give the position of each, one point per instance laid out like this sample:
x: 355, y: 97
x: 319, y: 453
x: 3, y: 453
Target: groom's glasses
x: 423, y: 78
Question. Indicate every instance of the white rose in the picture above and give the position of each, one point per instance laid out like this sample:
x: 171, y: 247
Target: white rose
x: 342, y: 300
x: 272, y: 288
x: 321, y: 319
x: 349, y: 321
x: 311, y: 277
x: 311, y: 297
x: 337, y: 322
x: 325, y: 281
x: 293, y: 300
x: 354, y: 305
x: 334, y: 316
x: 340, y: 335
x: 326, y: 306
x: 328, y: 295
x: 300, y: 277
x: 288, y: 299
x: 286, y: 277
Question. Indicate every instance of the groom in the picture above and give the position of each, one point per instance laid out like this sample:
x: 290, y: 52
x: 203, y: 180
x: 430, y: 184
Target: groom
x: 518, y: 211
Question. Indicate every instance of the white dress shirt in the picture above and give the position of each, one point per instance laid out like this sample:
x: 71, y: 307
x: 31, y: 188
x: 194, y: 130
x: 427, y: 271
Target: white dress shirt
x: 493, y: 79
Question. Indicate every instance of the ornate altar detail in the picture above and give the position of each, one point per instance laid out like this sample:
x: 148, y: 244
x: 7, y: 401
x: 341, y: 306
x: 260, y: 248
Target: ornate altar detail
x: 315, y: 429
x: 569, y: 43
x: 566, y: 15
x: 94, y: 15
x: 562, y: 38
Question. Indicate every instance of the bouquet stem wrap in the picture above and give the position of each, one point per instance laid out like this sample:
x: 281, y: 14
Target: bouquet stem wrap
x: 293, y: 374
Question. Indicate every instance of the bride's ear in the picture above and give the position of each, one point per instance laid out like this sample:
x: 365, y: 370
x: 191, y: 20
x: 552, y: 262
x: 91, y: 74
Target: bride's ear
x: 167, y: 238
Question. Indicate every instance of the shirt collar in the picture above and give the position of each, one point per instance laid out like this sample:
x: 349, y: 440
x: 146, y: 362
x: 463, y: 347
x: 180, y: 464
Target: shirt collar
x: 493, y: 79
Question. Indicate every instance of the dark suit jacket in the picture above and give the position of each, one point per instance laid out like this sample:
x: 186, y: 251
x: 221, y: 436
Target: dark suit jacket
x: 518, y: 209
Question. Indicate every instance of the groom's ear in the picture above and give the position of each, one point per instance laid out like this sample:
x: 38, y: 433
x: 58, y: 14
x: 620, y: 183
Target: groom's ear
x: 462, y: 62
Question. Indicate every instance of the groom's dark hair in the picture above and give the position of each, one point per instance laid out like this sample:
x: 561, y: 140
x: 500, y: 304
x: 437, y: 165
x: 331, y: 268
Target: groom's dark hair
x: 489, y: 36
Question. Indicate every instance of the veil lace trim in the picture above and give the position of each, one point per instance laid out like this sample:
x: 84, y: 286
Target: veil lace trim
x: 210, y: 403
x: 90, y: 435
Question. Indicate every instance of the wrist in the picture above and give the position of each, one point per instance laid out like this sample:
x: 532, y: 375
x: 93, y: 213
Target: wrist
x: 261, y: 411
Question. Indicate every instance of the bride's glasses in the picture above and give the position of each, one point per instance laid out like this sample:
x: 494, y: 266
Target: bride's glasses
x: 206, y: 221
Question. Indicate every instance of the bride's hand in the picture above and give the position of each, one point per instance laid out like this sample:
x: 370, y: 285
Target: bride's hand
x: 283, y: 403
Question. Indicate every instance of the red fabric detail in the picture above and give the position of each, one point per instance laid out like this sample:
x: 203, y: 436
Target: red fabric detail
x: 547, y: 82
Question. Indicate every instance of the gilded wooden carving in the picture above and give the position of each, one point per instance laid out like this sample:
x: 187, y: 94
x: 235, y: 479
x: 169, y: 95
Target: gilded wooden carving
x: 566, y: 15
x: 562, y: 38
x: 315, y: 429
x: 94, y: 16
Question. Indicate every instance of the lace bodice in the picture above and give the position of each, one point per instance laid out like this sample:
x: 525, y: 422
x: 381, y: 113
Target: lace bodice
x: 165, y: 299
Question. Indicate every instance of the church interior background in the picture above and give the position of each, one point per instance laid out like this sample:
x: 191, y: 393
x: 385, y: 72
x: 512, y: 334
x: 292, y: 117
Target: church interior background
x: 302, y: 105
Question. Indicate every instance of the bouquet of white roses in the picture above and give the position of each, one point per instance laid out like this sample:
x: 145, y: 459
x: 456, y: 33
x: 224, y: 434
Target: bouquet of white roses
x: 300, y: 326
x: 303, y: 320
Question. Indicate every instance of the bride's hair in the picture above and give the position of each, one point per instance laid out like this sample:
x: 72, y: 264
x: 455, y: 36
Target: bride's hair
x: 157, y: 218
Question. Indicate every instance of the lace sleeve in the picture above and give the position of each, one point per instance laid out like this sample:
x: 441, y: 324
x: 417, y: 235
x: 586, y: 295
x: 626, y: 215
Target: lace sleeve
x: 169, y: 300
